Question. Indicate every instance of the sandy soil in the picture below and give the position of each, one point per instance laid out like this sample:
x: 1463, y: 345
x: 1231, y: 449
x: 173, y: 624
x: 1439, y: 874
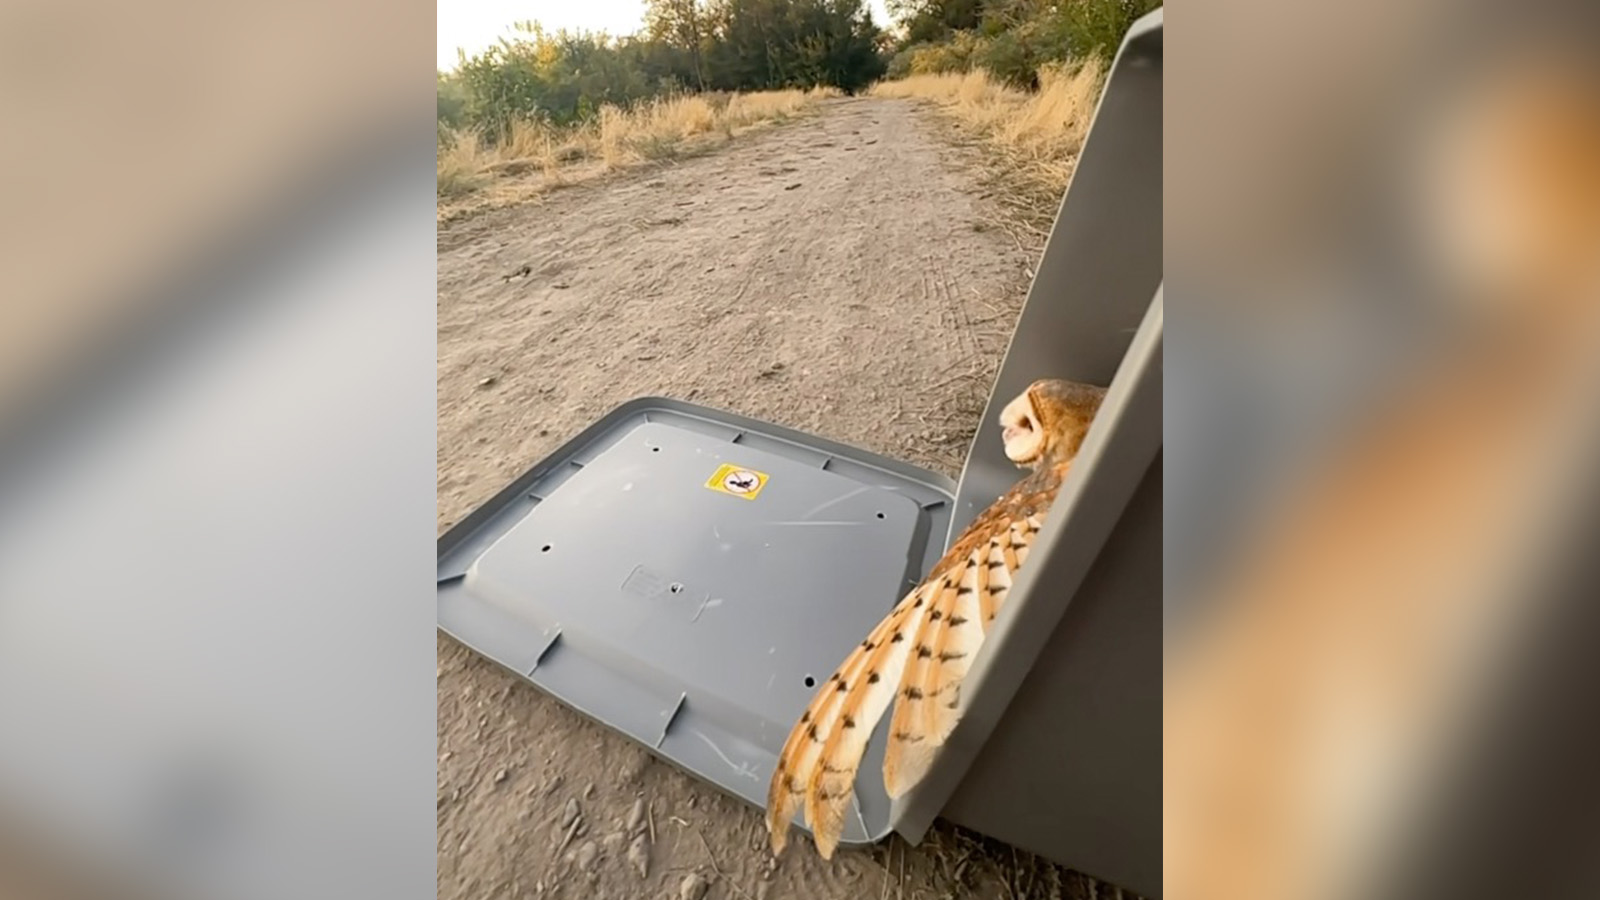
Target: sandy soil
x: 845, y: 275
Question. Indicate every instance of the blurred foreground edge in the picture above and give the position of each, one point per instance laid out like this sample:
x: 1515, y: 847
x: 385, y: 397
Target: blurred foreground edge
x: 214, y: 521
x: 1384, y: 690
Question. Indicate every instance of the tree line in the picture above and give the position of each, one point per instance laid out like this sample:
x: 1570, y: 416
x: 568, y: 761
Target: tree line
x: 565, y: 77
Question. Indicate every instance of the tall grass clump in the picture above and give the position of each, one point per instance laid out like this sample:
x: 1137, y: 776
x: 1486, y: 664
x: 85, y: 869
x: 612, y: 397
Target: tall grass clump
x: 474, y: 172
x: 746, y: 109
x: 461, y: 164
x: 1040, y: 131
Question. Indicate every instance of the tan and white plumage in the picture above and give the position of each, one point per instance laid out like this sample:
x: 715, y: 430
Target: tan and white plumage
x: 919, y: 654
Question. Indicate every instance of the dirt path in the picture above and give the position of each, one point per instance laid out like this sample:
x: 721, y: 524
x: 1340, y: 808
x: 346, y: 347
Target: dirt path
x: 839, y: 275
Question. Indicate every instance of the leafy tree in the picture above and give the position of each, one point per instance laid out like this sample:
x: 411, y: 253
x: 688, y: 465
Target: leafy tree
x: 565, y: 77
x: 793, y: 43
x: 679, y: 24
x: 934, y: 20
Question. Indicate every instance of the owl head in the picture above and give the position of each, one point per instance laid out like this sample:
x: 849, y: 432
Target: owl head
x: 1049, y: 420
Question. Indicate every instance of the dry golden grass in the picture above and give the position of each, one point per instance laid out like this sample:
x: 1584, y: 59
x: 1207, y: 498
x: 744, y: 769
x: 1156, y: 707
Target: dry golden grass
x: 458, y: 171
x: 473, y: 175
x: 746, y: 108
x: 1041, y: 132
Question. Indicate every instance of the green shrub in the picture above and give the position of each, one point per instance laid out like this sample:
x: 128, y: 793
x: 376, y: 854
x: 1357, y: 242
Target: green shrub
x: 954, y: 55
x: 452, y: 101
x: 1007, y: 58
x: 900, y: 63
x: 1079, y: 29
x: 1013, y: 38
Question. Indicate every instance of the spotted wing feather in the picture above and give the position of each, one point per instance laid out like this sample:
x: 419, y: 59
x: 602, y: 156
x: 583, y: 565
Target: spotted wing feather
x: 879, y: 662
x: 916, y: 658
x: 876, y: 662
x: 929, y: 701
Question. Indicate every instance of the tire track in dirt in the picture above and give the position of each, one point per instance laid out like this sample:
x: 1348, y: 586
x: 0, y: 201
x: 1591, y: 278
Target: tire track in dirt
x: 834, y: 275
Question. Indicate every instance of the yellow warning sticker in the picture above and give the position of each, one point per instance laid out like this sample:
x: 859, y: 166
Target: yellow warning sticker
x: 738, y: 481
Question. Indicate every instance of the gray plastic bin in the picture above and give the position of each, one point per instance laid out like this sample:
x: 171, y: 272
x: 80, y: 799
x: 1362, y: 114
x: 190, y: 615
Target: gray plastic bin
x: 1060, y: 749
x: 666, y: 571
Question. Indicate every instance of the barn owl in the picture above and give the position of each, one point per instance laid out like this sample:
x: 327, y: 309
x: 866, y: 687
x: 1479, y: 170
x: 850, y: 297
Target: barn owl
x: 920, y: 653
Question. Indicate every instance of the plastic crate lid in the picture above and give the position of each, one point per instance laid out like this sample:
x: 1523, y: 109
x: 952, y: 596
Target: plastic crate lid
x: 687, y: 576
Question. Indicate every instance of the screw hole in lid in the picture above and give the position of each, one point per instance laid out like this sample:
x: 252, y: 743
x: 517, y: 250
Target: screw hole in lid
x: 880, y: 515
x: 676, y: 588
x: 545, y: 549
x: 810, y: 682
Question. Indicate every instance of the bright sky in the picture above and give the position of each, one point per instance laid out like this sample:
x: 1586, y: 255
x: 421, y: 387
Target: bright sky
x: 475, y: 25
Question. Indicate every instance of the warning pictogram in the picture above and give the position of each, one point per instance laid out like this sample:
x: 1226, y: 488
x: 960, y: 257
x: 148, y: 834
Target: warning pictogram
x: 738, y: 481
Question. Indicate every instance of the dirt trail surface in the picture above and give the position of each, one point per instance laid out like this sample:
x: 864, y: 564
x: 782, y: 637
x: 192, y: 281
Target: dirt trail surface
x: 842, y: 275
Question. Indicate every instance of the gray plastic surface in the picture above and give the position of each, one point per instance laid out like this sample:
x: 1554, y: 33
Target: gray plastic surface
x: 1059, y: 747
x: 685, y: 617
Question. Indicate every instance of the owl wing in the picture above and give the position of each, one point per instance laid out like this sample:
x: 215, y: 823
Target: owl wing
x: 917, y: 656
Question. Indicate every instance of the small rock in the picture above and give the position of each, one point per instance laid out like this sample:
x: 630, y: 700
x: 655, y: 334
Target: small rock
x: 632, y: 767
x: 588, y: 790
x: 691, y: 801
x: 587, y: 854
x: 639, y: 854
x: 569, y: 813
x: 500, y: 776
x: 561, y: 285
x: 636, y: 815
x: 489, y: 382
x: 445, y: 756
x: 790, y: 187
x: 693, y: 887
